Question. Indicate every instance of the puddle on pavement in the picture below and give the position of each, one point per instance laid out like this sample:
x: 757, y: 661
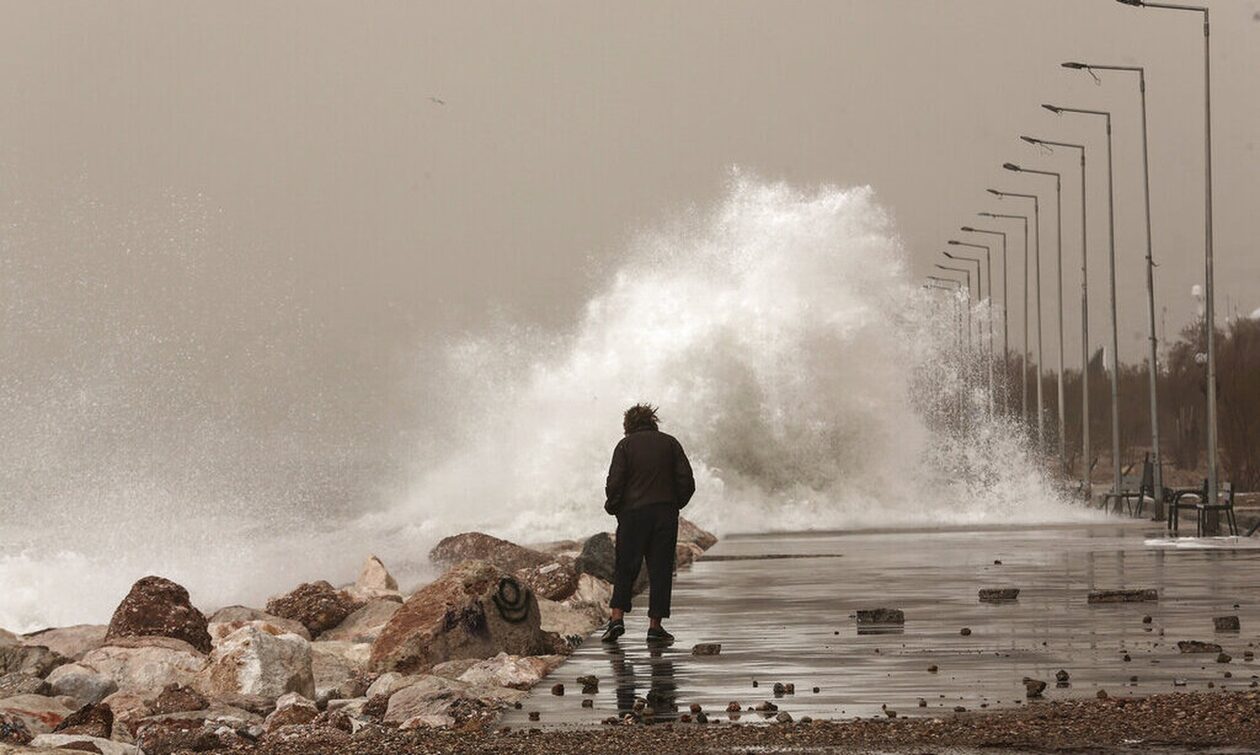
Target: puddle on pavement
x: 790, y: 620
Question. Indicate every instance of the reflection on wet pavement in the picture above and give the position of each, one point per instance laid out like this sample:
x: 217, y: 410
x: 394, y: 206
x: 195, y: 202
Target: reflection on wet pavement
x: 790, y: 620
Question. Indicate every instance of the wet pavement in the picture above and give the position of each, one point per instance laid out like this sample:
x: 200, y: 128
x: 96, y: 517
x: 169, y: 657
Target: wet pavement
x: 790, y: 620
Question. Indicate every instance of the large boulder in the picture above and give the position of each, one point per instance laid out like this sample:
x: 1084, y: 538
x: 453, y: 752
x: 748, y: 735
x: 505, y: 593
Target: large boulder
x: 157, y: 607
x: 365, y: 624
x: 554, y: 581
x: 435, y: 701
x: 688, y: 532
x: 73, y: 641
x: 227, y: 620
x: 598, y: 557
x: 258, y: 659
x: 40, y: 714
x: 146, y: 664
x: 515, y: 671
x: 478, y: 546
x: 472, y: 611
x: 335, y: 663
x: 82, y: 683
x: 316, y: 605
x: 36, y: 660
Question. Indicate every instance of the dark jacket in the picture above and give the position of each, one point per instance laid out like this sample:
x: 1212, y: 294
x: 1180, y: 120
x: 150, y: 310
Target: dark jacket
x: 648, y: 467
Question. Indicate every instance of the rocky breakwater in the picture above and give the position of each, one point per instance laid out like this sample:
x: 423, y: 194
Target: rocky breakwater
x: 320, y: 665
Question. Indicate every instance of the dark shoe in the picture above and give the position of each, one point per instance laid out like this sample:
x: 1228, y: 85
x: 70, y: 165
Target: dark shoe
x: 658, y: 635
x: 614, y: 630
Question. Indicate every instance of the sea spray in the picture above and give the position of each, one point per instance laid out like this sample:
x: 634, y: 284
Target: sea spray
x: 810, y: 379
x: 789, y: 351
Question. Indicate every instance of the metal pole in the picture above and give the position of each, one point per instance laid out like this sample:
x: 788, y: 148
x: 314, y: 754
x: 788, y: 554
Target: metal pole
x: 1157, y: 462
x: 1058, y: 198
x: 1153, y: 357
x: 1210, y: 520
x: 1115, y: 328
x: 1086, y: 476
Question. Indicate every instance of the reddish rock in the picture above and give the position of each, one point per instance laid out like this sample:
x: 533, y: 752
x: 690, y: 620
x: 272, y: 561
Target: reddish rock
x: 478, y: 546
x: 90, y: 720
x: 157, y: 607
x: 472, y: 611
x: 315, y: 605
x: 169, y: 736
x: 554, y: 581
x: 177, y: 698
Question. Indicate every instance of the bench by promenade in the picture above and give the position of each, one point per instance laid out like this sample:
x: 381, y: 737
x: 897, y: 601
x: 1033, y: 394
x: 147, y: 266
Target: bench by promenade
x: 1196, y: 499
x: 1134, y: 490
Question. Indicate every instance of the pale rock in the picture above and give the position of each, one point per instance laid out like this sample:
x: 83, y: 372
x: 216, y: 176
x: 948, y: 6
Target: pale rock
x: 365, y: 624
x: 390, y: 682
x: 254, y: 661
x: 82, y: 683
x: 453, y: 669
x: 569, y: 621
x: 333, y: 663
x: 146, y: 665
x: 59, y: 741
x: 238, y: 615
x: 427, y: 722
x: 688, y: 532
x: 40, y: 714
x: 73, y: 641
x: 433, y: 696
x: 517, y: 672
x: 375, y: 578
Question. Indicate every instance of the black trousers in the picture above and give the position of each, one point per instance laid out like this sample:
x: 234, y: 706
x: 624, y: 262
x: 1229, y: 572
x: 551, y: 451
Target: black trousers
x: 651, y: 533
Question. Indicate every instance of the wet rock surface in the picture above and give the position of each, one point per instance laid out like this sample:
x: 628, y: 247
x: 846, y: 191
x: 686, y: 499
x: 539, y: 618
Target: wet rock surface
x: 478, y: 546
x: 472, y: 611
x: 998, y: 594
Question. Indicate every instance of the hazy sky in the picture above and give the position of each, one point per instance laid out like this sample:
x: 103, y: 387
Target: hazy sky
x: 313, y: 191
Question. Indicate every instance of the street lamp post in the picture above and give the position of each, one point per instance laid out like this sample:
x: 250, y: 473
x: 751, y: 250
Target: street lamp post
x: 1005, y: 337
x: 1085, y: 445
x: 1211, y: 519
x: 1115, y: 337
x: 967, y: 273
x: 1058, y: 198
x: 1024, y: 354
x: 1157, y: 463
x: 954, y: 286
x: 1041, y: 403
x: 989, y: 298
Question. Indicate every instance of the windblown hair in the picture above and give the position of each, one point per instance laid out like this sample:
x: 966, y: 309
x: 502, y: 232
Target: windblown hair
x: 640, y: 417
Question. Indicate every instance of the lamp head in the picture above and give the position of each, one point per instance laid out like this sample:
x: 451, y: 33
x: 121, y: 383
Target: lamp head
x: 951, y: 241
x: 1054, y: 109
x: 952, y: 257
x: 1030, y: 140
x: 968, y: 229
x: 986, y: 215
x: 1012, y: 166
x: 1135, y: 3
x: 994, y: 192
x: 1074, y: 64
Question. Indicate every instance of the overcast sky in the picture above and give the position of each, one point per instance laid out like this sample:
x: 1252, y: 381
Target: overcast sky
x: 315, y: 189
